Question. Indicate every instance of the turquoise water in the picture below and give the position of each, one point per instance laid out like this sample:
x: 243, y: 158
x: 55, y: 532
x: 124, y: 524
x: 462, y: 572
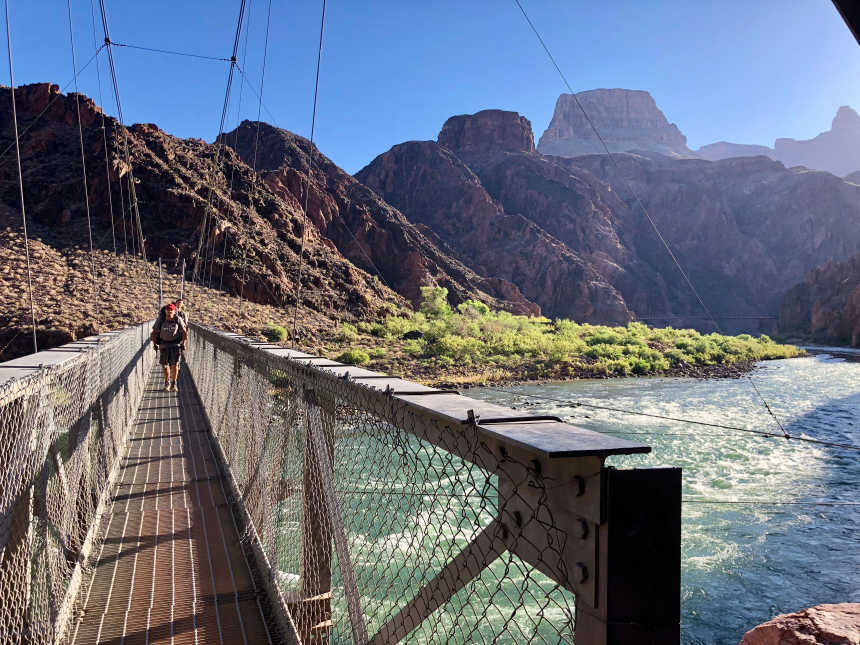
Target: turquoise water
x: 770, y: 526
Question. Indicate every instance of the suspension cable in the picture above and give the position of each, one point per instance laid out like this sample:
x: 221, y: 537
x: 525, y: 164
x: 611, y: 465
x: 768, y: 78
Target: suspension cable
x: 20, y: 177
x: 641, y: 205
x: 254, y: 185
x: 83, y: 155
x: 104, y: 133
x: 308, y: 182
x: 170, y: 51
x: 134, y: 211
x: 204, y: 227
x: 763, y: 433
x: 233, y: 166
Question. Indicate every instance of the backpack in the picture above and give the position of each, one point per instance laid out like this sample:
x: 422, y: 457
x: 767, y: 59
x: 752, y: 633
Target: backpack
x: 171, y: 331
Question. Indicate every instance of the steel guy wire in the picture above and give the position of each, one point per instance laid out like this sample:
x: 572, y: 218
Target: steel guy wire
x: 641, y: 205
x: 577, y: 404
x: 171, y: 52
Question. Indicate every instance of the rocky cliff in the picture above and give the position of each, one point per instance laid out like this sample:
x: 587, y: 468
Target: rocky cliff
x: 253, y: 239
x: 437, y: 190
x: 368, y: 231
x: 745, y: 230
x: 251, y: 244
x: 826, y: 305
x: 626, y: 120
x: 836, y: 151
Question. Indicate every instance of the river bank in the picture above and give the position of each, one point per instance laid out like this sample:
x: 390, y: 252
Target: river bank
x: 472, y: 345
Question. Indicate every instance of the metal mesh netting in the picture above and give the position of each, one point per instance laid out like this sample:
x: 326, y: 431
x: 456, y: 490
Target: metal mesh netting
x: 61, y: 430
x: 376, y: 524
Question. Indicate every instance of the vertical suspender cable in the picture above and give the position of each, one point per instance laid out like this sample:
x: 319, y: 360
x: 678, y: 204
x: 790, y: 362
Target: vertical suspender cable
x: 203, y: 230
x: 134, y: 212
x: 308, y: 183
x: 122, y: 215
x: 236, y: 142
x: 20, y: 178
x: 104, y: 133
x: 256, y: 141
x: 83, y: 156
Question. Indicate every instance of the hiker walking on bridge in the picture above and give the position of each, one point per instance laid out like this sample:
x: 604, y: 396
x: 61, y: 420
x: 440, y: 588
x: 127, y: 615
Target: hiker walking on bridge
x: 170, y: 334
x: 180, y: 312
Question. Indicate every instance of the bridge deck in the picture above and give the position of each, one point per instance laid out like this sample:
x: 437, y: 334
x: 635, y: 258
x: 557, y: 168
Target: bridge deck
x: 168, y: 567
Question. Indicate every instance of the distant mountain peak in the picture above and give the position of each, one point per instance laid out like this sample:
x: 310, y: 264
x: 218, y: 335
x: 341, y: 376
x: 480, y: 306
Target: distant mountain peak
x: 488, y: 131
x: 846, y: 117
x: 626, y: 120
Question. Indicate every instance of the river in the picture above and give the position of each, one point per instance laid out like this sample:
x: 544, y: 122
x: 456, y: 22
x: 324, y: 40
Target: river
x: 769, y: 526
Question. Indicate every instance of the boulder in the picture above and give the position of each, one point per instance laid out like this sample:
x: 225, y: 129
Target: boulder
x: 819, y: 625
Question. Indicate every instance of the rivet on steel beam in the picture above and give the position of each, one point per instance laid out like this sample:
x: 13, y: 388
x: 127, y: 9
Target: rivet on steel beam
x: 583, y: 529
x: 581, y: 572
x: 578, y: 485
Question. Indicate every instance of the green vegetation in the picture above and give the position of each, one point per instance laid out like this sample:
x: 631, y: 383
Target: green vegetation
x: 354, y: 357
x: 347, y: 332
x: 474, y: 337
x: 275, y: 333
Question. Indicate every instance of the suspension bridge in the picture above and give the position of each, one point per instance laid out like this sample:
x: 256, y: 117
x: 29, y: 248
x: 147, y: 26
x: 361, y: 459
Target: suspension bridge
x: 284, y: 497
x: 281, y: 497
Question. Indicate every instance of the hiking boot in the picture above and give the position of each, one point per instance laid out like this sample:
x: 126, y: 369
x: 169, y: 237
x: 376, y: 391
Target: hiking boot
x: 173, y: 386
x: 166, y: 386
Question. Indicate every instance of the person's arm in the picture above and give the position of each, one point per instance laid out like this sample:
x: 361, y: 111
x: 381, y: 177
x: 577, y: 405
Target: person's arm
x: 184, y: 336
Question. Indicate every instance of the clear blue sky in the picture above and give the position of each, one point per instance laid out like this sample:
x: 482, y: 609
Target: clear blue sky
x: 744, y: 71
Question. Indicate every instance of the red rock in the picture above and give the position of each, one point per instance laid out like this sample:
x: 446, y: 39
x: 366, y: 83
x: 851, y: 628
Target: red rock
x: 364, y: 228
x: 488, y: 130
x: 826, y: 305
x: 820, y: 625
x: 434, y: 188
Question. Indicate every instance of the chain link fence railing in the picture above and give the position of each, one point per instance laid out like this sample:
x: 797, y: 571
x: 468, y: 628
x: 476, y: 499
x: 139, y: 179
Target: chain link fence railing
x: 379, y: 510
x: 62, y: 428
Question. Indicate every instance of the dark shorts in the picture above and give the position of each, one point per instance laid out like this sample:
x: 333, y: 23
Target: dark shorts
x: 169, y: 355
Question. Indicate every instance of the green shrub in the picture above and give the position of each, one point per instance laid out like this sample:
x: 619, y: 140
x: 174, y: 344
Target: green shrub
x: 275, y: 333
x: 354, y: 357
x: 377, y: 352
x: 473, y: 333
x: 414, y: 347
x: 347, y: 332
x: 473, y: 308
x: 434, y: 302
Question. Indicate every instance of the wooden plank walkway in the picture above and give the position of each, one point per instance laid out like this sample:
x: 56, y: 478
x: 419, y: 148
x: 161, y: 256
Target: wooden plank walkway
x: 168, y: 567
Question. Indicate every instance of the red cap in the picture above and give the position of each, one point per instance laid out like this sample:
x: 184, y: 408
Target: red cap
x: 170, y: 307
